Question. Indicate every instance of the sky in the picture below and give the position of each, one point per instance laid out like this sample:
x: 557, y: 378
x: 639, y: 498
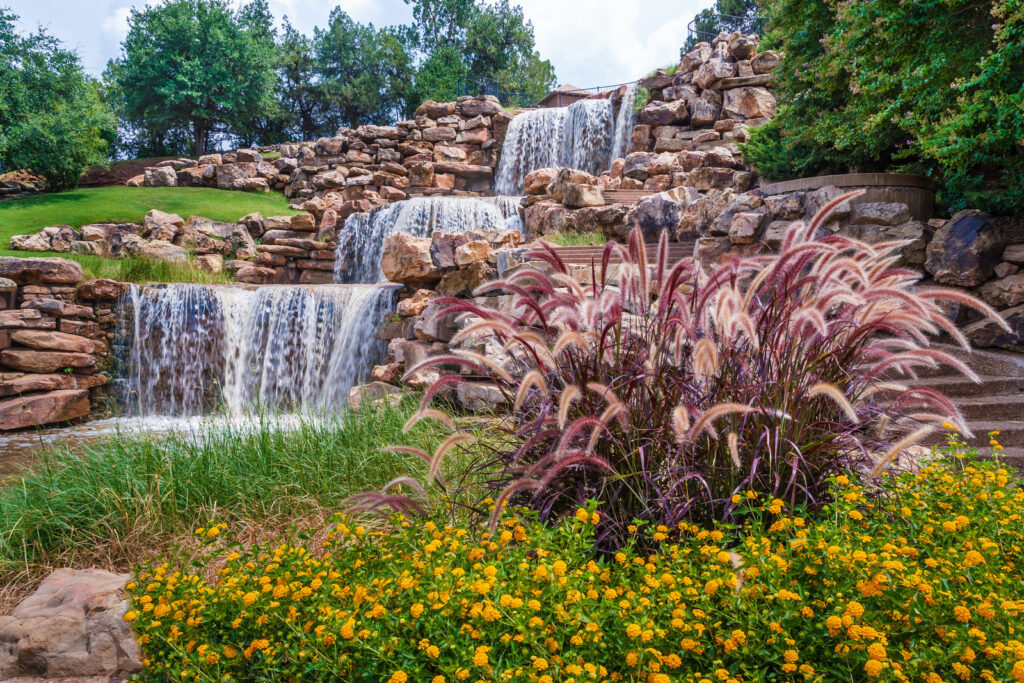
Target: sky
x: 589, y: 42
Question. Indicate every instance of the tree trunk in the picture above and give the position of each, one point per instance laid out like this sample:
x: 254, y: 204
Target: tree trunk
x: 199, y: 137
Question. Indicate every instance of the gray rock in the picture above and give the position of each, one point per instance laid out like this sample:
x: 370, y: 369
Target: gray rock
x: 966, y: 249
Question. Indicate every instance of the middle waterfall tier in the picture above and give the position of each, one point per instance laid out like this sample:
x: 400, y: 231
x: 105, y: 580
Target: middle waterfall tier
x: 193, y: 349
x: 361, y: 240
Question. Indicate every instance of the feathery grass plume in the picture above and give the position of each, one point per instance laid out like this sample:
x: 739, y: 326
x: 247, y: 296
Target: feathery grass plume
x: 624, y: 385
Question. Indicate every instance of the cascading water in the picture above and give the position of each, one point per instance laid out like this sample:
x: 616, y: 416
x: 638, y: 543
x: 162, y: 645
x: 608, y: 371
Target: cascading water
x: 586, y: 136
x: 578, y: 136
x: 193, y: 348
x: 361, y: 240
x: 625, y: 121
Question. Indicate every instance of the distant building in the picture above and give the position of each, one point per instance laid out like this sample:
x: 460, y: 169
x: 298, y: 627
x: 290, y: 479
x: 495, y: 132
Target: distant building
x: 563, y: 96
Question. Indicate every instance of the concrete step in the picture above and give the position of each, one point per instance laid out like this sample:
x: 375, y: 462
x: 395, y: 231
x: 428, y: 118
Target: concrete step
x: 995, y: 407
x: 957, y: 387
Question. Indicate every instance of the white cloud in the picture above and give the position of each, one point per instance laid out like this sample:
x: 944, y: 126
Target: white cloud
x: 115, y: 26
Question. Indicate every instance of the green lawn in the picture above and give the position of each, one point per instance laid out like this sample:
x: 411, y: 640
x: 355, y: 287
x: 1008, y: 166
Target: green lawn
x: 128, y: 205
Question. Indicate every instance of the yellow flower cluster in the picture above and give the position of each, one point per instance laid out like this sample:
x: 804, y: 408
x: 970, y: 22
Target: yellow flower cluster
x: 922, y: 584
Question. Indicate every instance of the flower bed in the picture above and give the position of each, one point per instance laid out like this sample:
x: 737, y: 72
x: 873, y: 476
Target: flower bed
x: 915, y: 578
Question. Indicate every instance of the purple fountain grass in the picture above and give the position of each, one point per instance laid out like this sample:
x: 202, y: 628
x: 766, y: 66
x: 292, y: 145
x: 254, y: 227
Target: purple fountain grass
x: 665, y: 391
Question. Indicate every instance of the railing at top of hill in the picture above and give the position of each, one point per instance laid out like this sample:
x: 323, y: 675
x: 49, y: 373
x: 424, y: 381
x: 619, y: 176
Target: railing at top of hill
x: 705, y: 28
x: 553, y: 98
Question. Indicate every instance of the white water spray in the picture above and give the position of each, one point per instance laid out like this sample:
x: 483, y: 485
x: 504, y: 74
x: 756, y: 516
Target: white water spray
x: 289, y: 348
x: 361, y: 240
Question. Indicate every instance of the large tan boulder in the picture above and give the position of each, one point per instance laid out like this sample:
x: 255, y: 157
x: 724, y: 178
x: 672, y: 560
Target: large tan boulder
x: 48, y: 270
x: 749, y: 103
x: 160, y: 176
x: 406, y: 259
x: 57, y: 341
x: 35, y: 410
x: 35, y: 242
x: 536, y: 182
x: 72, y: 627
x: 159, y: 225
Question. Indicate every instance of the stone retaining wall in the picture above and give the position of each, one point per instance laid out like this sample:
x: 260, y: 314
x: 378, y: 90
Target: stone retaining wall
x: 55, y: 333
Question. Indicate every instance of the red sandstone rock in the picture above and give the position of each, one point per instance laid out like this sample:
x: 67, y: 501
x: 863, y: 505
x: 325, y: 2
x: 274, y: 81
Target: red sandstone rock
x: 29, y: 271
x: 42, y: 409
x: 406, y: 259
x: 57, y: 341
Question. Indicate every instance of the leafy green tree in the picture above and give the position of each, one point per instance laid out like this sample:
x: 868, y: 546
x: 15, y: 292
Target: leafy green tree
x: 194, y: 64
x: 438, y: 77
x: 266, y: 123
x: 300, y: 93
x: 874, y: 85
x: 500, y: 45
x: 367, y: 75
x: 52, y: 117
x: 441, y: 22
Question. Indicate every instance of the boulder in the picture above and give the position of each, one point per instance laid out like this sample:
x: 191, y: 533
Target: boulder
x: 160, y: 176
x: 255, y: 275
x: 1014, y: 253
x: 18, y: 383
x: 164, y: 251
x: 406, y: 259
x: 765, y: 62
x: 415, y: 304
x: 965, y: 250
x: 159, y: 225
x: 480, y: 397
x: 695, y: 57
x: 882, y: 213
x: 26, y: 318
x: 986, y: 333
x: 229, y: 174
x: 248, y: 155
x: 713, y: 71
x: 749, y: 103
x: 664, y: 113
x: 705, y: 110
x: 373, y: 392
x: 210, y: 263
x: 472, y: 252
x: 35, y: 242
x: 576, y: 195
x: 432, y: 326
x: 657, y: 213
x: 745, y: 227
x: 209, y: 227
x: 464, y: 281
x: 1005, y: 292
x: 35, y: 410
x: 57, y: 341
x: 253, y: 223
x: 242, y: 243
x: 34, y: 360
x: 48, y: 270
x: 742, y: 46
x: 100, y: 289
x: 72, y: 627
x: 537, y: 181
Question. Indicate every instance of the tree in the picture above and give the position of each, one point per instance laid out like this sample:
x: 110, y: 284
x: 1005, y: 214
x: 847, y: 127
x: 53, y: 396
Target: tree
x: 267, y: 122
x: 439, y: 76
x: 492, y: 41
x: 500, y: 45
x: 194, y: 64
x: 873, y: 86
x: 298, y: 86
x: 52, y: 117
x: 367, y: 75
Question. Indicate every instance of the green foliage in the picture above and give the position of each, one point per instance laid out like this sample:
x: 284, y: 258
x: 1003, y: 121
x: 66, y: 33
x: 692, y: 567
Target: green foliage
x: 139, y: 269
x: 195, y: 66
x: 52, y: 117
x: 924, y: 86
x: 83, y: 498
x: 778, y: 157
x: 912, y: 577
x: 367, y: 75
x: 120, y: 204
x: 438, y: 77
x: 575, y: 239
x: 493, y: 41
x: 303, y: 107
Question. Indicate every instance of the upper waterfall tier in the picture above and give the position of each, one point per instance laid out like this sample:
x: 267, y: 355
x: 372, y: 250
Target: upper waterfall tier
x: 361, y: 240
x: 586, y: 136
x: 189, y: 349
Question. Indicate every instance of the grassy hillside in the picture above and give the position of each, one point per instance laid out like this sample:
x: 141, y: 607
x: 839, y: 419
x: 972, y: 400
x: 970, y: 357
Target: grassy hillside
x: 128, y: 205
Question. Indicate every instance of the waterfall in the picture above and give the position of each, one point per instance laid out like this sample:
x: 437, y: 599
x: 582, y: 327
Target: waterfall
x: 196, y: 347
x: 586, y: 136
x: 361, y: 240
x: 625, y: 121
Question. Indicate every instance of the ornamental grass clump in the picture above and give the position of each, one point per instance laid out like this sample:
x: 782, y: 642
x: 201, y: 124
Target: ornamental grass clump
x: 664, y: 391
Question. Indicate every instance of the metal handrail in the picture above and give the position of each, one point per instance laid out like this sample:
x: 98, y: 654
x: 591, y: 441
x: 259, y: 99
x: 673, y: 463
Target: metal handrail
x: 489, y: 86
x: 707, y: 32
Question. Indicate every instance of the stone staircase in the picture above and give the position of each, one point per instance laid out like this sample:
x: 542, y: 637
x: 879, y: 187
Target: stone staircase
x: 997, y: 403
x: 585, y: 254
